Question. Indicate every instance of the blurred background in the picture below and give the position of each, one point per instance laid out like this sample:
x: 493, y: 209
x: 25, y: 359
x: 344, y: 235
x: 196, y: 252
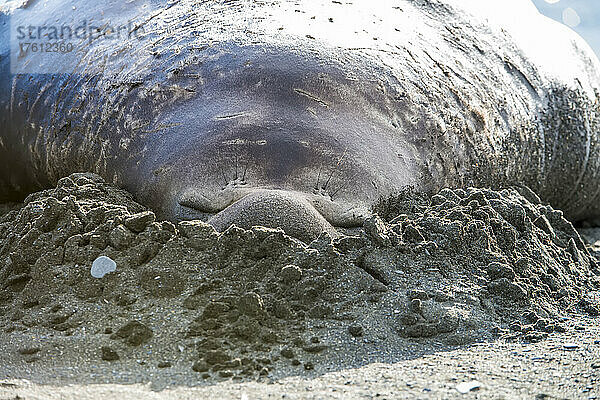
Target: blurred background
x: 583, y: 16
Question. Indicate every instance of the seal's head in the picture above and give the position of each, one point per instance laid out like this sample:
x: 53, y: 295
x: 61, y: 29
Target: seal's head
x: 278, y: 138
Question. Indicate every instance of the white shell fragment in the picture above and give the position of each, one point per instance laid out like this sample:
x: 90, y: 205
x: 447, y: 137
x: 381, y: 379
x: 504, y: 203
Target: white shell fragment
x: 466, y: 387
x: 101, y: 266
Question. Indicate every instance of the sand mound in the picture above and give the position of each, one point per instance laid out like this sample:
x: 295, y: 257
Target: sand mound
x: 455, y: 268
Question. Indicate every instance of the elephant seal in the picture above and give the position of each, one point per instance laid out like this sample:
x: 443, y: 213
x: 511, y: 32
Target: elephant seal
x: 303, y: 114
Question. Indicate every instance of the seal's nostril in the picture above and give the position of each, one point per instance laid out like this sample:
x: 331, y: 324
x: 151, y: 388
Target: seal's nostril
x: 186, y: 213
x: 200, y: 203
x: 199, y: 207
x: 275, y: 209
x: 194, y: 205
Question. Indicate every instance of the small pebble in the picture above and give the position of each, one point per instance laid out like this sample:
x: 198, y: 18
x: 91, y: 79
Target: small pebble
x: 225, y: 374
x: 139, y: 222
x: 416, y: 306
x: 101, y: 266
x: 200, y: 366
x: 108, y: 354
x: 291, y: 274
x: 287, y: 353
x: 355, y: 330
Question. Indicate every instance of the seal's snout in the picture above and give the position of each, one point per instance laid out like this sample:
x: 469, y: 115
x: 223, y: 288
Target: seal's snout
x: 275, y: 209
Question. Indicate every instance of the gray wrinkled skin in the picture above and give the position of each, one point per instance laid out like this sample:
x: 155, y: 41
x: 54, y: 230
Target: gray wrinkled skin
x: 334, y: 105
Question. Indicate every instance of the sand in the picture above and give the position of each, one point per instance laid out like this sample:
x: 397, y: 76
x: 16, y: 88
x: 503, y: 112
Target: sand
x: 435, y: 291
x: 544, y: 370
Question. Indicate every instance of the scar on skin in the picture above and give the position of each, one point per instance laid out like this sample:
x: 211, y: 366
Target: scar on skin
x: 312, y: 97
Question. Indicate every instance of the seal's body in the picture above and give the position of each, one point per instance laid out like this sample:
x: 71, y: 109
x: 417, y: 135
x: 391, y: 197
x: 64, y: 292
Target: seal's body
x: 305, y: 115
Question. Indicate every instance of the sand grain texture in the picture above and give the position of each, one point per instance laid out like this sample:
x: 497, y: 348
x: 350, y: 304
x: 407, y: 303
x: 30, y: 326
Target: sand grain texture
x: 464, y: 285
